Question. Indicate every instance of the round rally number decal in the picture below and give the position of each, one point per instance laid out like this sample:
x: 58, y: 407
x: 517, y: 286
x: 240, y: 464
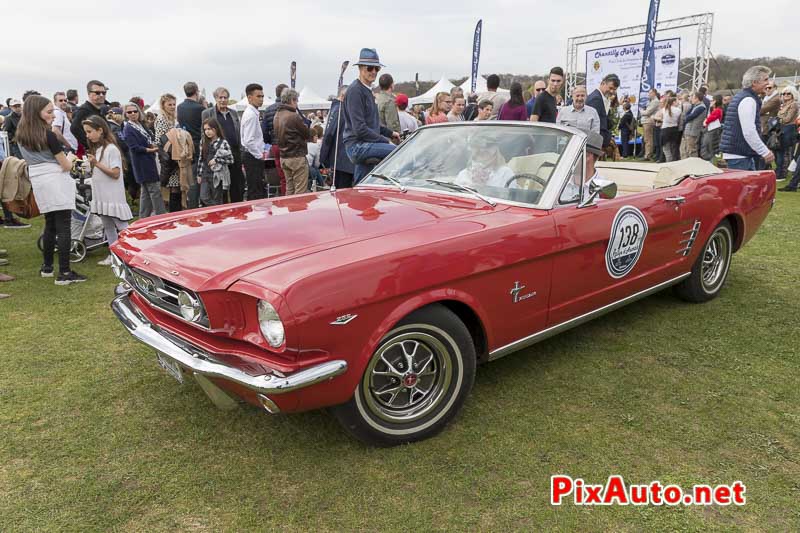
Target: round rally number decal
x: 626, y: 242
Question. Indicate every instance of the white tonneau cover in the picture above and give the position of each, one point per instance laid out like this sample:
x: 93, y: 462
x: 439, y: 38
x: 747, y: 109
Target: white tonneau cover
x: 638, y: 177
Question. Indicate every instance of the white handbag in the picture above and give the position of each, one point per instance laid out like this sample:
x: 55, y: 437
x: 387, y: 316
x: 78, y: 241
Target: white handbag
x: 793, y: 165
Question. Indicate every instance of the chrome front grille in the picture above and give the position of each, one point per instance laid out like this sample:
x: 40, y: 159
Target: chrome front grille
x: 160, y: 292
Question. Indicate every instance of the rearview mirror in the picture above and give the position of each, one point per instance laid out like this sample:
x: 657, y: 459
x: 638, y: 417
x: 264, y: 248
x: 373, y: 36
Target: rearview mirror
x: 599, y: 187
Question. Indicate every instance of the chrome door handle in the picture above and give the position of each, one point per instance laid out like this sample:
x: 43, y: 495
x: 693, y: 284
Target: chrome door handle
x: 676, y: 199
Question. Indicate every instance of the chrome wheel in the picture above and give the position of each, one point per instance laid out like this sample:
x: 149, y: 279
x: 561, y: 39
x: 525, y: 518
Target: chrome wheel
x: 77, y: 251
x: 716, y: 257
x: 407, y: 377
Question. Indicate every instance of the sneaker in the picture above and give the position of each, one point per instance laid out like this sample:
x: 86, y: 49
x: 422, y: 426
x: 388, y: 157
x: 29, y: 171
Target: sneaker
x: 6, y: 277
x: 3, y: 262
x: 2, y: 296
x: 3, y: 253
x: 15, y: 224
x: 66, y: 278
x: 105, y: 262
x: 787, y: 189
x: 46, y: 272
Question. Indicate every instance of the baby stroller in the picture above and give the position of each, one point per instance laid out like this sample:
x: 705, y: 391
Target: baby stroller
x: 86, y: 228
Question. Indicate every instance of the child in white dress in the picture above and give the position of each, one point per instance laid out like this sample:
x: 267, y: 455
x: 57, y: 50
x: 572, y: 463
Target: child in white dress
x: 108, y: 186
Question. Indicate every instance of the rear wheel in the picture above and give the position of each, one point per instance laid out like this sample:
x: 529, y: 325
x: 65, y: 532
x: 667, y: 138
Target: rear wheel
x: 711, y: 267
x: 415, y: 382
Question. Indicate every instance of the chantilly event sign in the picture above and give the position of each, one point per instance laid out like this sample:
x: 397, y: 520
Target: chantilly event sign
x: 626, y: 62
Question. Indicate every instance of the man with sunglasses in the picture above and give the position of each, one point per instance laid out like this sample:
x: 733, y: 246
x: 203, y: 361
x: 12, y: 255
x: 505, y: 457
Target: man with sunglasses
x: 538, y: 88
x: 365, y: 140
x: 92, y: 106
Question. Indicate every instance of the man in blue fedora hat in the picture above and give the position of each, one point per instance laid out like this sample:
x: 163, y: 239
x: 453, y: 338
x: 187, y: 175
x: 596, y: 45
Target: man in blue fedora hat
x: 365, y: 140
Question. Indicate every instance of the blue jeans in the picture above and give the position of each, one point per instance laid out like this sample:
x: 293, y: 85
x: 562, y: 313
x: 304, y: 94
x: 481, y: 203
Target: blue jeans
x: 360, y: 152
x: 746, y: 163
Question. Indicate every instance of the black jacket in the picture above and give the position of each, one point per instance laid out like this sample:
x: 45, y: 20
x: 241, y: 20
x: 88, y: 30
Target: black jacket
x: 268, y: 123
x: 595, y: 100
x: 190, y: 115
x: 10, y: 126
x: 85, y: 111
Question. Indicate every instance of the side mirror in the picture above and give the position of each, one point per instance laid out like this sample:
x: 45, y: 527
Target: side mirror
x: 599, y: 187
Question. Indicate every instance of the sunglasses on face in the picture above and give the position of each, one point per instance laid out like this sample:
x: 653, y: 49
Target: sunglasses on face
x: 539, y: 90
x: 133, y: 112
x: 373, y: 69
x: 99, y: 92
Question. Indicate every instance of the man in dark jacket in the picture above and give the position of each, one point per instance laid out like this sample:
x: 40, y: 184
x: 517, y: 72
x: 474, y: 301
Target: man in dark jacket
x: 190, y: 113
x: 229, y: 122
x: 96, y: 99
x: 626, y: 127
x: 597, y: 100
x: 268, y: 121
x: 291, y: 135
x: 366, y: 141
x: 332, y: 153
x: 10, y: 126
x: 267, y: 125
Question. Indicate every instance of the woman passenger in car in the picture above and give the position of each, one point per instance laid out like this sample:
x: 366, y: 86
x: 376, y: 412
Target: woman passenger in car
x: 486, y: 165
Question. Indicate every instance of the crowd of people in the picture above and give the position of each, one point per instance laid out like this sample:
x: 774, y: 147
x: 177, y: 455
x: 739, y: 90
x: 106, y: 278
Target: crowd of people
x: 192, y: 154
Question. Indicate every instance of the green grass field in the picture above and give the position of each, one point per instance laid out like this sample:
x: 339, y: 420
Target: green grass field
x: 96, y: 437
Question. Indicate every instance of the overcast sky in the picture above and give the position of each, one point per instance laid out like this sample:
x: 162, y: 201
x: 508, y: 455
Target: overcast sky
x: 148, y: 47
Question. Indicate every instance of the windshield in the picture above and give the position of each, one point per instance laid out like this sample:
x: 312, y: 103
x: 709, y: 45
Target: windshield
x: 507, y: 163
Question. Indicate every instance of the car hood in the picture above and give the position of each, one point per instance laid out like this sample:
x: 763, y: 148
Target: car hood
x: 211, y: 248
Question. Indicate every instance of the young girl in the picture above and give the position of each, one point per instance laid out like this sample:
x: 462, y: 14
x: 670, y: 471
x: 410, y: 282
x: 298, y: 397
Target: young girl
x: 215, y: 156
x: 314, y: 149
x: 108, y: 185
x: 53, y: 187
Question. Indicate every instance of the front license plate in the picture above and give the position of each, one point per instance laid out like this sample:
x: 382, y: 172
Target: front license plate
x: 170, y: 366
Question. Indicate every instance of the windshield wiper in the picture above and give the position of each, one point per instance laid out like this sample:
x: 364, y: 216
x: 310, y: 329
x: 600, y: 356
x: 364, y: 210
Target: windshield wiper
x: 390, y: 180
x: 460, y: 187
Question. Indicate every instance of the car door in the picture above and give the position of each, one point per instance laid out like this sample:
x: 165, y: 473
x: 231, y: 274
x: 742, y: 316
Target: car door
x: 614, y: 249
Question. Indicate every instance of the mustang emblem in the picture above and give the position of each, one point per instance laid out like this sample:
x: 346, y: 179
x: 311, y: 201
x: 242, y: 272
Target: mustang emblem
x: 342, y: 320
x: 516, y: 297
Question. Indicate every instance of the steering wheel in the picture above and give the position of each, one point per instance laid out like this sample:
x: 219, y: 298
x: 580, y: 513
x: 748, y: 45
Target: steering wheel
x: 527, y: 176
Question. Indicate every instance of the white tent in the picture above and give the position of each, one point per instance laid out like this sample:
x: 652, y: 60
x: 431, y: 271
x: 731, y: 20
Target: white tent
x: 443, y: 85
x: 310, y: 100
x: 480, y: 86
x: 241, y: 105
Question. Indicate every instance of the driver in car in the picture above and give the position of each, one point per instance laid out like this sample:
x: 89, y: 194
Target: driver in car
x: 486, y: 165
x: 594, y: 149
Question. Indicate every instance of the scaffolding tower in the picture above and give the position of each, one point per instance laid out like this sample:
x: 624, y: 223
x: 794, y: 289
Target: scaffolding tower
x: 697, y: 70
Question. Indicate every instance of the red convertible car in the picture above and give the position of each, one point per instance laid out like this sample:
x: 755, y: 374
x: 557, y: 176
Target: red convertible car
x: 471, y: 241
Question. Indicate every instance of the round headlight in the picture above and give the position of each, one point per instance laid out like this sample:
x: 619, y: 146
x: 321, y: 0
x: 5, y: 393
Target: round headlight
x: 191, y: 308
x: 270, y: 324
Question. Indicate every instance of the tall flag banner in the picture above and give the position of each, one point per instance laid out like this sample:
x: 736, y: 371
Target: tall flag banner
x: 293, y: 73
x: 476, y: 53
x: 341, y: 77
x: 648, y: 55
x: 416, y: 84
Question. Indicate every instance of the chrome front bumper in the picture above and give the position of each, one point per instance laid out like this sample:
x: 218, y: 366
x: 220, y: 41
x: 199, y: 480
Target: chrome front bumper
x: 202, y: 367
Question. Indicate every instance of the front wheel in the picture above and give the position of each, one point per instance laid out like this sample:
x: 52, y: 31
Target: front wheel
x: 415, y: 382
x: 711, y: 268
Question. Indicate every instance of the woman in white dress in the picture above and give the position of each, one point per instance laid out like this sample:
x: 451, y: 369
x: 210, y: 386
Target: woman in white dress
x: 108, y: 185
